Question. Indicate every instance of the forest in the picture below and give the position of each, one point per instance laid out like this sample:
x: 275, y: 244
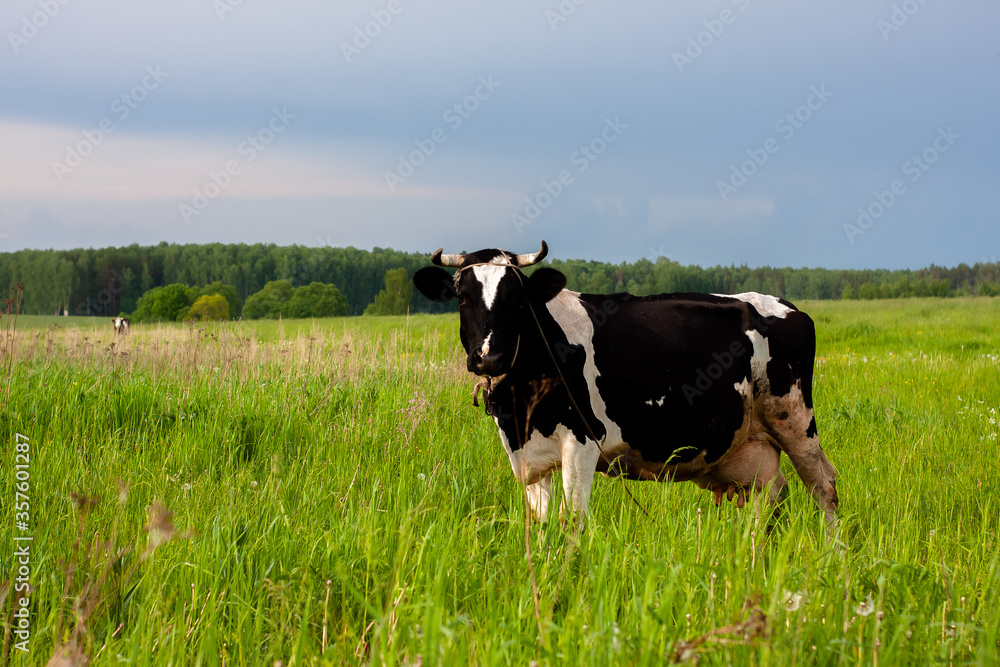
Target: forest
x: 110, y: 281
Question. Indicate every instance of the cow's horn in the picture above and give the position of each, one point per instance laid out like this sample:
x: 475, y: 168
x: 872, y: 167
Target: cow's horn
x: 533, y: 257
x: 446, y: 260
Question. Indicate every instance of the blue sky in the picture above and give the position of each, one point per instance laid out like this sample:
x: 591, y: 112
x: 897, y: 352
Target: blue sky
x: 716, y: 132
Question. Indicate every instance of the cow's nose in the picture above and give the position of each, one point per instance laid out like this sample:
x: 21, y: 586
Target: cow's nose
x: 487, y: 364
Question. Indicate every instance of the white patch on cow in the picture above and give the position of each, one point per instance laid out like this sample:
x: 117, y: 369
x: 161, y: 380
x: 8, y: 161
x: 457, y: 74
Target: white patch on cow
x: 568, y: 312
x: 489, y: 277
x: 486, y: 344
x: 761, y: 355
x: 658, y: 401
x: 534, y: 464
x: 744, y: 388
x: 766, y: 305
x: 536, y: 459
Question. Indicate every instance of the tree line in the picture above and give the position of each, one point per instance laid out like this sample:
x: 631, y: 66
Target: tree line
x: 110, y: 281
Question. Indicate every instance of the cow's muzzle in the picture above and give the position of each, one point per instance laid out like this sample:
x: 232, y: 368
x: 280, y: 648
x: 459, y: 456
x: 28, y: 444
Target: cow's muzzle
x: 492, y: 364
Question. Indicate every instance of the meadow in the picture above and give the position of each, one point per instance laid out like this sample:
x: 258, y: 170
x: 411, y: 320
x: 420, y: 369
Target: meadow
x: 323, y: 492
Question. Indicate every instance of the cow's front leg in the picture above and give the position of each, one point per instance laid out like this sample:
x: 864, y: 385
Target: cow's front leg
x: 538, y: 497
x: 579, y: 461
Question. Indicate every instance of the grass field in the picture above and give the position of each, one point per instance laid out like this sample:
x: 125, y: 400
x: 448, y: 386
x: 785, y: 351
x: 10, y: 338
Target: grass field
x: 336, y: 499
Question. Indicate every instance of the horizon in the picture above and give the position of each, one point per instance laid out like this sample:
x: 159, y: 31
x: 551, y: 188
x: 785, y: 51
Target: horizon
x: 731, y: 133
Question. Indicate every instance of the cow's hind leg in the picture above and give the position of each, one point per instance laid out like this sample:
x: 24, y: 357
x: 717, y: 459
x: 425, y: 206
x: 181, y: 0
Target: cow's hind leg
x: 793, y: 427
x: 777, y: 490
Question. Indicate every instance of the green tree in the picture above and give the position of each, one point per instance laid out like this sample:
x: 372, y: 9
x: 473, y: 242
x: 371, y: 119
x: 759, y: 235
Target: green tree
x: 163, y: 303
x: 269, y: 302
x: 317, y: 300
x: 848, y: 293
x: 395, y: 298
x: 209, y: 307
x: 988, y: 289
x: 868, y: 291
x: 234, y: 303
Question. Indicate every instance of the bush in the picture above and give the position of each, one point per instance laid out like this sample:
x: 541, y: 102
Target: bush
x: 317, y: 300
x: 209, y: 307
x: 988, y: 289
x: 167, y: 304
x: 269, y: 302
x: 395, y: 298
x: 234, y: 303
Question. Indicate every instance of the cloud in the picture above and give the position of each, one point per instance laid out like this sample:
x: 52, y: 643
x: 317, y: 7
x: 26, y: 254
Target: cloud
x: 120, y: 167
x: 675, y: 212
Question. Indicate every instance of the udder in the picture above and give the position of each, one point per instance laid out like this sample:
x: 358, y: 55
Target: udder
x: 750, y: 466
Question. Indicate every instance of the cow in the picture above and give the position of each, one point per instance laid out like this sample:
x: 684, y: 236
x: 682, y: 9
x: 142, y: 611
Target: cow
x: 706, y: 388
x: 121, y: 325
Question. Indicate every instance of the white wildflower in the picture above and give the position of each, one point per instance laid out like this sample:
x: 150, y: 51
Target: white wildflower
x: 865, y: 607
x: 792, y: 601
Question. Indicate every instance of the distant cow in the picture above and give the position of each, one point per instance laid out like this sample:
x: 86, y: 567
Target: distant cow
x: 700, y: 387
x: 121, y: 325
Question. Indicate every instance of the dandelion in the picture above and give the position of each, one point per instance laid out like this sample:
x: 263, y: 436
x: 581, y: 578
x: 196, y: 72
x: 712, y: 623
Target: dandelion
x: 253, y: 484
x: 865, y: 607
x: 421, y: 476
x: 185, y: 487
x: 792, y: 601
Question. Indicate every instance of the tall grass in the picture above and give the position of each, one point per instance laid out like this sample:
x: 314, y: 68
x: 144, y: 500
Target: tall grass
x: 336, y: 498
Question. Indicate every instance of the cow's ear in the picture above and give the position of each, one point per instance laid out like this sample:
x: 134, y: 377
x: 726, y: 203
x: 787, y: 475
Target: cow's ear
x: 545, y: 283
x: 435, y: 284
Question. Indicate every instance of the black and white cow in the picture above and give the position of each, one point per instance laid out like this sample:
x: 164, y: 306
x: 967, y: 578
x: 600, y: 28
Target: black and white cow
x: 700, y: 387
x: 121, y: 325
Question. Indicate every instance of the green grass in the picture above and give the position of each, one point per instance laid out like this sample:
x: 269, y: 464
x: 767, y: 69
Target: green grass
x: 331, y: 478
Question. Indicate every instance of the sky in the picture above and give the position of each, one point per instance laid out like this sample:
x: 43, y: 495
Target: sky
x: 837, y: 134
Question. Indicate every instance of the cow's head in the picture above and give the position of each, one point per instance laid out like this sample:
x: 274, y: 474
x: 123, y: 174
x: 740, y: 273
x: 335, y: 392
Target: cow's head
x: 493, y: 297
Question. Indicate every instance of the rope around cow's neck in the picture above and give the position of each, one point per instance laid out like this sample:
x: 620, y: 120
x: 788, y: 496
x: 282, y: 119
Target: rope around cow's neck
x: 487, y: 383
